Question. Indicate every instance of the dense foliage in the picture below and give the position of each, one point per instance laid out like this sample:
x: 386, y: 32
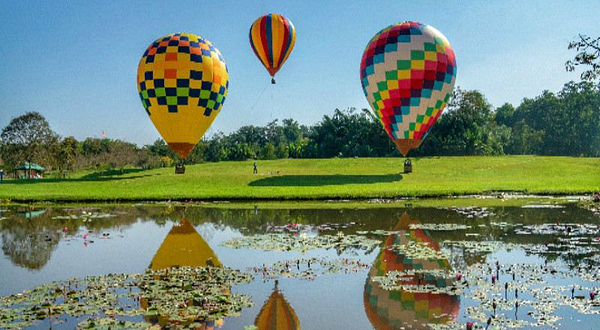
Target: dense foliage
x: 564, y: 123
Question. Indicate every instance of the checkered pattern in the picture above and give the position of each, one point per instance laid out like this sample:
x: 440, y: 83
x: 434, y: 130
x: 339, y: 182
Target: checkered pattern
x: 182, y: 70
x: 394, y: 309
x: 408, y: 72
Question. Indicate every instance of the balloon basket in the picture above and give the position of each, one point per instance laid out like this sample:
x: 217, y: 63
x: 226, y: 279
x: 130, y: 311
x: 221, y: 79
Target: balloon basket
x: 273, y: 81
x: 407, y: 166
x: 179, y: 169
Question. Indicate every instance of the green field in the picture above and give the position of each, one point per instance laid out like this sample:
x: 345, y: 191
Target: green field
x: 305, y: 179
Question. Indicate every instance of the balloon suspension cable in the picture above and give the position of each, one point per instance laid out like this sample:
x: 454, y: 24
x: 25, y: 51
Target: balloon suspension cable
x: 288, y: 99
x: 258, y: 98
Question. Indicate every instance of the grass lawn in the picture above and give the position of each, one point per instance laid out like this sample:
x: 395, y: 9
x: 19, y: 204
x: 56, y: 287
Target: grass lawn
x: 345, y: 178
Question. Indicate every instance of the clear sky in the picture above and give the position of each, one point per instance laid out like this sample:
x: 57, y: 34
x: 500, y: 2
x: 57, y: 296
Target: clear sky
x: 75, y: 61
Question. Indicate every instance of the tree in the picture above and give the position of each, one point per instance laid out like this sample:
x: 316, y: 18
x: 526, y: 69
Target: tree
x: 26, y: 138
x: 291, y: 130
x: 581, y: 104
x: 121, y: 154
x: 466, y: 128
x: 95, y: 147
x: 588, y: 55
x: 524, y: 140
x: 268, y: 151
x: 68, y: 149
x: 504, y: 115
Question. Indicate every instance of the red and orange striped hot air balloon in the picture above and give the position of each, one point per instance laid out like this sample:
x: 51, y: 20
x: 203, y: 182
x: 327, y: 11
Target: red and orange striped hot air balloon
x: 272, y: 38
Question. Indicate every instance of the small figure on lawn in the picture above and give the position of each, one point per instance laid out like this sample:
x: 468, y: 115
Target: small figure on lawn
x: 1, y: 175
x: 255, y: 168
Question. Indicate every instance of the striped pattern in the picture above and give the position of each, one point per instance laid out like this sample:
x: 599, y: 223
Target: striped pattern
x: 272, y: 38
x: 277, y: 314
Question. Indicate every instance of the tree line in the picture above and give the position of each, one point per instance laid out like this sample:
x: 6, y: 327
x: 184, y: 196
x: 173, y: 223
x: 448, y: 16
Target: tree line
x: 564, y: 123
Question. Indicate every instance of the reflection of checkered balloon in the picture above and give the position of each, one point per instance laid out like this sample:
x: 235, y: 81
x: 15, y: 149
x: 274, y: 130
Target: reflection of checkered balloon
x: 408, y: 72
x: 182, y: 81
x: 402, y: 309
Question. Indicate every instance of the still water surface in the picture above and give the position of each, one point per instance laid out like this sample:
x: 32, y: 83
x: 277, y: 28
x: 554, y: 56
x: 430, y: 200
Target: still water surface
x: 51, y: 244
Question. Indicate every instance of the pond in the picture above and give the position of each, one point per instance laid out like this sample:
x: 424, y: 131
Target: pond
x: 270, y: 267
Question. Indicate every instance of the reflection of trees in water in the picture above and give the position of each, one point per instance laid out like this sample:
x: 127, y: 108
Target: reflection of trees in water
x: 30, y: 243
x: 27, y: 249
x: 24, y: 240
x: 207, y: 230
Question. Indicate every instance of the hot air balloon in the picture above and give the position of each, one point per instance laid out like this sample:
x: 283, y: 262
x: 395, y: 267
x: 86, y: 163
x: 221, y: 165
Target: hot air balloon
x: 399, y: 309
x: 272, y: 38
x: 277, y: 313
x: 182, y: 81
x: 408, y: 72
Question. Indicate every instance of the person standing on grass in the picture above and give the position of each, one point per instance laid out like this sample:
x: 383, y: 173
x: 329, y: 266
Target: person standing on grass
x: 1, y: 175
x: 255, y: 168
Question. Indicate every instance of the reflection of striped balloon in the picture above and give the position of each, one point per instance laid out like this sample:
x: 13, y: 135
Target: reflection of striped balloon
x: 272, y: 38
x: 393, y: 309
x: 277, y: 314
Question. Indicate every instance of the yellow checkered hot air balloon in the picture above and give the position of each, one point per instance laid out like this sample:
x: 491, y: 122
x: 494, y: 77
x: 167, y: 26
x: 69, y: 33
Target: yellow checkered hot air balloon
x: 401, y: 309
x: 182, y: 81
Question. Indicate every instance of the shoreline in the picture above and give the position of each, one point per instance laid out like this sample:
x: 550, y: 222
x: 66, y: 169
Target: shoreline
x: 482, y: 200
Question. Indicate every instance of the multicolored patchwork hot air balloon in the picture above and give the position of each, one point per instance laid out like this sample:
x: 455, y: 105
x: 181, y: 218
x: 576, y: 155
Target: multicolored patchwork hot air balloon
x: 399, y: 309
x: 182, y: 80
x: 272, y: 38
x: 408, y: 72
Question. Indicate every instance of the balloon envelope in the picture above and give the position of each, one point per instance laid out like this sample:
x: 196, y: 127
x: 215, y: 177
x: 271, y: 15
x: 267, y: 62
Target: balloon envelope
x: 272, y: 38
x: 408, y: 72
x: 182, y: 80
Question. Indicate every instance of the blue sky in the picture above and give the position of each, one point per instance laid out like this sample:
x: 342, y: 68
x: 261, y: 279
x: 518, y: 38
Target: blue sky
x: 75, y: 62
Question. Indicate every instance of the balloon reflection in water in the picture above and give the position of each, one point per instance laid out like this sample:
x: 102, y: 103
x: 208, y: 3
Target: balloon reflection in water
x: 396, y: 309
x: 277, y: 313
x: 184, y: 247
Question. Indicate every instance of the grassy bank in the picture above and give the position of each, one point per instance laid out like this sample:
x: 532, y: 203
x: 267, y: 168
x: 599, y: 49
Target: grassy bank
x: 362, y: 178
